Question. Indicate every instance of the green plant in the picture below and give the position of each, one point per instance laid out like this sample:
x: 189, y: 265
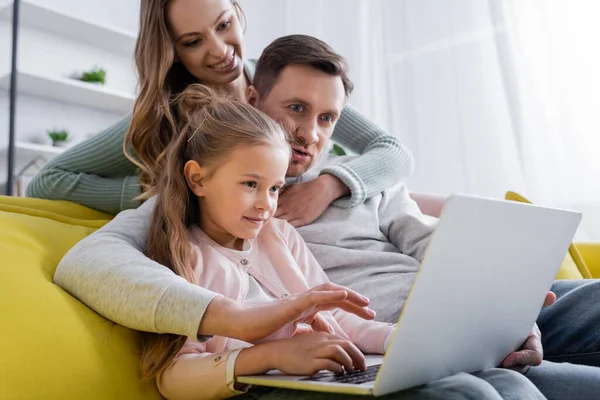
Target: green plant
x: 58, y: 135
x: 338, y: 150
x: 95, y: 75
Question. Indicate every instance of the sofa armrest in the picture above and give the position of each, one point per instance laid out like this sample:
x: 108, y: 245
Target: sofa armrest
x: 590, y: 253
x: 430, y: 204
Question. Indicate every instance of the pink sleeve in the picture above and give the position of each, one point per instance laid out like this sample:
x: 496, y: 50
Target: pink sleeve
x: 369, y: 336
x: 197, y: 374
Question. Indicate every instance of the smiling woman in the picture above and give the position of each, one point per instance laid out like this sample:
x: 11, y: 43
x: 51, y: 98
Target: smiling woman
x: 198, y: 38
x: 213, y: 54
x: 182, y: 42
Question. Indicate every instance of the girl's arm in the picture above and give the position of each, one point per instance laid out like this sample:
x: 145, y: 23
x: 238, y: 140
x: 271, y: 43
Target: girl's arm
x: 94, y: 173
x: 369, y: 336
x: 198, y: 374
x: 384, y: 160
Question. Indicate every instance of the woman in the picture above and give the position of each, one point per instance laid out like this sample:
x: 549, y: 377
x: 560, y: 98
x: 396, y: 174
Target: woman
x: 188, y: 41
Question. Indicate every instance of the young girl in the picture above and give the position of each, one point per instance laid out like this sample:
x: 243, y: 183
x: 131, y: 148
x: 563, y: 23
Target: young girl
x: 213, y: 225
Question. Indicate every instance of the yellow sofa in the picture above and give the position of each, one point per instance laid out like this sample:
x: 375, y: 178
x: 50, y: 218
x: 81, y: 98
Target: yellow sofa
x: 51, y: 345
x: 54, y: 347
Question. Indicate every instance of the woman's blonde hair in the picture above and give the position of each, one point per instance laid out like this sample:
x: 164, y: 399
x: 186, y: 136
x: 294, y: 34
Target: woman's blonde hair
x: 160, y: 80
x: 211, y: 127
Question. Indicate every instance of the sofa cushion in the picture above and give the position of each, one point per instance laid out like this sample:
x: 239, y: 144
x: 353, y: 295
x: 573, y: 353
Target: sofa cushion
x: 53, y: 346
x: 573, y: 266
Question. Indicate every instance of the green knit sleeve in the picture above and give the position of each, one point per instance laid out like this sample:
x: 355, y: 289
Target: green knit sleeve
x: 383, y: 161
x: 94, y: 173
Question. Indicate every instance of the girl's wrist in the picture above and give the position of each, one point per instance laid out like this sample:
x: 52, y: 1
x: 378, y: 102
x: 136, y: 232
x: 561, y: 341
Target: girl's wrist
x: 256, y: 360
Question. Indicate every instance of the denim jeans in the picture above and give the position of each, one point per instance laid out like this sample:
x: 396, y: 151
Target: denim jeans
x: 571, y: 340
x: 492, y: 384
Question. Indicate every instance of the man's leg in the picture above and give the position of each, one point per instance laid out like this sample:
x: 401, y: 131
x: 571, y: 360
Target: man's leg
x: 494, y: 384
x: 571, y: 326
x: 565, y: 381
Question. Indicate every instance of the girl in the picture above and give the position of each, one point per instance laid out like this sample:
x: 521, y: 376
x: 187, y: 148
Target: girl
x: 213, y: 225
x: 182, y: 42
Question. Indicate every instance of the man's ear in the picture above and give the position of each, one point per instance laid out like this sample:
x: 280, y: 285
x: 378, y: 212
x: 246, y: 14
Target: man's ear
x: 252, y: 96
x: 195, y: 177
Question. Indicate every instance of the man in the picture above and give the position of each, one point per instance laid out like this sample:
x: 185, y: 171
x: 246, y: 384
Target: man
x: 375, y: 248
x: 307, y: 98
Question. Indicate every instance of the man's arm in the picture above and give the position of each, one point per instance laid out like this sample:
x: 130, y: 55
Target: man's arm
x: 401, y: 220
x: 109, y: 272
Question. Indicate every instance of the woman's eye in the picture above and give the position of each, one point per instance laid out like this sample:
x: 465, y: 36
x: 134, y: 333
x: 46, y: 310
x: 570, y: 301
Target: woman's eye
x: 224, y: 25
x: 251, y: 185
x: 193, y: 43
x: 297, y: 107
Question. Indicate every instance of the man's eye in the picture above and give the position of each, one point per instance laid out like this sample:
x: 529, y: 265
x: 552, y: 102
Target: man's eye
x: 297, y: 107
x: 327, y: 118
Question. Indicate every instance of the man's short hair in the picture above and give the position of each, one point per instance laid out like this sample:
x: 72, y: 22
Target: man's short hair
x: 302, y: 50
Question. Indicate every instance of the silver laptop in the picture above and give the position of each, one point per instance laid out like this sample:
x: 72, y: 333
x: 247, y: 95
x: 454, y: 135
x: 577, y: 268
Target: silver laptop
x: 479, y: 290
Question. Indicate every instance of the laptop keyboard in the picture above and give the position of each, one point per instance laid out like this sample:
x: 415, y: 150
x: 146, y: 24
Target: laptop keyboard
x: 354, y: 378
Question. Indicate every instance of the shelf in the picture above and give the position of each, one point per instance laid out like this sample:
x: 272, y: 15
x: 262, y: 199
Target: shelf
x: 33, y: 15
x: 29, y: 151
x: 71, y: 91
x: 32, y: 150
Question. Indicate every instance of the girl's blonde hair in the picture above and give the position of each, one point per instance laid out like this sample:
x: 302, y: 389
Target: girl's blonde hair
x: 160, y: 80
x: 211, y: 127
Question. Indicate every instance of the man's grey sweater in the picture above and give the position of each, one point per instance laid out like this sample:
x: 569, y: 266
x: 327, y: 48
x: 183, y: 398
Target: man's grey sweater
x: 374, y: 248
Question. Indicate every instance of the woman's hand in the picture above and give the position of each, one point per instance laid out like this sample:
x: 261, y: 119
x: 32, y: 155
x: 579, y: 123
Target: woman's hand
x: 302, y: 203
x: 253, y: 322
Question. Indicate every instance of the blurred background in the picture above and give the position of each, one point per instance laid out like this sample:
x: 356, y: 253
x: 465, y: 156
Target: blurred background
x: 489, y: 95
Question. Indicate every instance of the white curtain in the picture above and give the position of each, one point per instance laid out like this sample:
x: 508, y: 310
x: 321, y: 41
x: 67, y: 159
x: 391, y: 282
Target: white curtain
x: 489, y: 95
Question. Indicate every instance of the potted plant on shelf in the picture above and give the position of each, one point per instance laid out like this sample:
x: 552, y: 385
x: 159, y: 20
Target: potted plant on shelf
x: 95, y: 75
x: 337, y: 150
x: 59, y: 137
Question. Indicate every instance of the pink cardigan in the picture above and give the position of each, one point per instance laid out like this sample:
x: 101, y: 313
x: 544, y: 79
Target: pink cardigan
x: 281, y: 262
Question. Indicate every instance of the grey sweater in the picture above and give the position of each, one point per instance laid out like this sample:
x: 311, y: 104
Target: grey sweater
x: 97, y: 174
x: 375, y: 248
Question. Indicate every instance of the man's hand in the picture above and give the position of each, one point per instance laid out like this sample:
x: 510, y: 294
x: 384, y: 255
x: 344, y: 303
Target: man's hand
x: 253, y: 322
x: 302, y: 203
x: 532, y: 352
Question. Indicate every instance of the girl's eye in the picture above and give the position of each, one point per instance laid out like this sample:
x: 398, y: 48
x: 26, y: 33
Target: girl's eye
x: 275, y: 189
x: 193, y: 43
x: 251, y: 185
x: 296, y: 108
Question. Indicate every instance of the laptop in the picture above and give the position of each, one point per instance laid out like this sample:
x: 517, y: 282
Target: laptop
x: 480, y: 287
